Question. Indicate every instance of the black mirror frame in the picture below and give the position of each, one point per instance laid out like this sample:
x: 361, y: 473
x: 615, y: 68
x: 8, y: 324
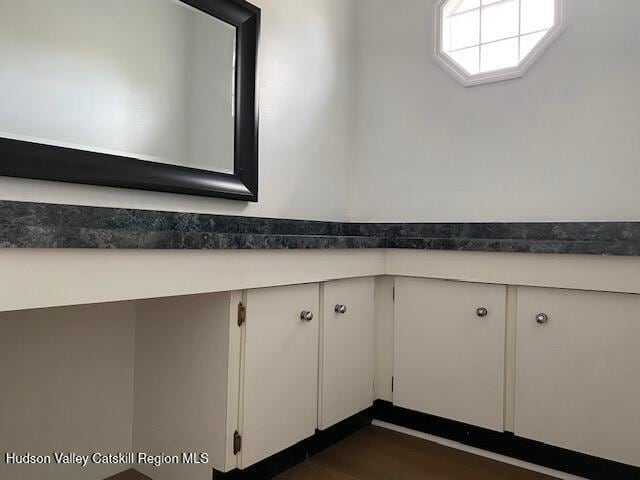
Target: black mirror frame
x: 45, y: 162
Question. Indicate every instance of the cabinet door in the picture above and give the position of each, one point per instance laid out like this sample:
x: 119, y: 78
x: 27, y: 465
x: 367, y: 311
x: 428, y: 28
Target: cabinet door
x: 347, y: 345
x: 449, y: 357
x: 577, y: 374
x: 280, y: 363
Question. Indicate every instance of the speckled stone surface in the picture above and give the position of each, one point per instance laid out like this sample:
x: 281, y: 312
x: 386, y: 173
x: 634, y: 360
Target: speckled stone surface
x: 38, y: 225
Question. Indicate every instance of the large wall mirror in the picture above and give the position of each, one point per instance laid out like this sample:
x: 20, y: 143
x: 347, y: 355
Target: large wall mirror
x: 147, y: 94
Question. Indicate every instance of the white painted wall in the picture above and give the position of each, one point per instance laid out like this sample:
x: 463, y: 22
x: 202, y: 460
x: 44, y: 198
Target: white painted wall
x: 66, y: 377
x: 305, y: 125
x: 365, y: 125
x: 560, y: 144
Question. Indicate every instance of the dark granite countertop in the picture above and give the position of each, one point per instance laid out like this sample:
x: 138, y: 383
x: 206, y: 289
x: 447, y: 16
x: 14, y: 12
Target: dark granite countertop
x: 39, y: 225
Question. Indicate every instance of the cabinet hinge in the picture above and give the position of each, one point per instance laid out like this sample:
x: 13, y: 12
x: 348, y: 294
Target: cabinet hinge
x: 392, y: 384
x: 242, y: 314
x: 394, y: 294
x: 237, y: 443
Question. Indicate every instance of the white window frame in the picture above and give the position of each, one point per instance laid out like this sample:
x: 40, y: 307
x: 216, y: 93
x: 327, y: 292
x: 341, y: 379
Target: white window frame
x: 470, y: 80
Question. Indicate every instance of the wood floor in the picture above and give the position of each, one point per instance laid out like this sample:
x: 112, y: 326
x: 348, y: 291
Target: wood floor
x: 375, y: 453
x: 129, y: 475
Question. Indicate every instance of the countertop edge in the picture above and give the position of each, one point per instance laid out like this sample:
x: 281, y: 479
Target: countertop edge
x: 41, y: 225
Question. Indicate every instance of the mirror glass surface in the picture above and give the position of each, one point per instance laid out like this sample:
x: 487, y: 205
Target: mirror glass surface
x: 148, y: 79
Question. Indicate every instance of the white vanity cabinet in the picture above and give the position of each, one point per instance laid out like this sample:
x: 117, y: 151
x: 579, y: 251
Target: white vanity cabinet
x: 199, y: 377
x: 279, y: 370
x: 578, y: 365
x: 449, y: 351
x: 347, y: 344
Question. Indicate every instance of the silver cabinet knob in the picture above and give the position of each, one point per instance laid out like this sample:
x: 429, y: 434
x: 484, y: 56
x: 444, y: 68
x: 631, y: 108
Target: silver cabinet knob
x: 482, y: 312
x: 542, y: 318
x: 306, y: 316
x: 341, y: 309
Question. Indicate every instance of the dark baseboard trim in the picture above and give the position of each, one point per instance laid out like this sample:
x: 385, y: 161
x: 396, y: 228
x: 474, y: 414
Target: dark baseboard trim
x: 298, y: 453
x: 502, y: 443
x: 506, y: 444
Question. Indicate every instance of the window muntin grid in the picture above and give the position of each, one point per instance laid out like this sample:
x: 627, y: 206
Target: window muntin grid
x: 484, y: 36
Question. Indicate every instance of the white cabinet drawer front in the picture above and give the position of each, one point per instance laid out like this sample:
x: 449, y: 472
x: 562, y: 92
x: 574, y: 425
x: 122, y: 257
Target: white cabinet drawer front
x: 449, y: 361
x: 280, y: 391
x: 577, y: 381
x: 348, y: 344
